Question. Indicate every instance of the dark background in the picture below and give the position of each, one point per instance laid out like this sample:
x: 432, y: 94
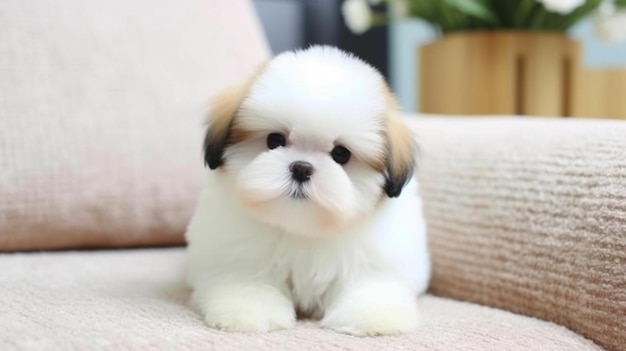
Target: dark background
x: 291, y: 24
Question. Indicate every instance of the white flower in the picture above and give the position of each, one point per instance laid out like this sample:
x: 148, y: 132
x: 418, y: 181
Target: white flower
x: 399, y: 8
x: 606, y: 8
x: 357, y: 14
x: 610, y: 25
x: 562, y: 6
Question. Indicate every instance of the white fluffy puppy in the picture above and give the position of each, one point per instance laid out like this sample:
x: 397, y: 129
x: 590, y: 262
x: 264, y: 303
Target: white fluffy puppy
x: 310, y: 206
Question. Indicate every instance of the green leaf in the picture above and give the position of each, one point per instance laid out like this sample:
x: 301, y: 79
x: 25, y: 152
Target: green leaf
x: 578, y: 14
x: 473, y: 8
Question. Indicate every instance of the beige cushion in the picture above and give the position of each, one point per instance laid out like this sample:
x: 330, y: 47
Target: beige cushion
x: 529, y: 215
x: 101, y: 114
x: 130, y: 300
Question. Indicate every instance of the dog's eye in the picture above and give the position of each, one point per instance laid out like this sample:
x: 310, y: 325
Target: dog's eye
x: 340, y: 154
x: 275, y: 140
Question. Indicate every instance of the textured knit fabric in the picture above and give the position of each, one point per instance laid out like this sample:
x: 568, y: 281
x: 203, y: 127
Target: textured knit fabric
x: 131, y: 300
x: 101, y: 115
x: 529, y: 215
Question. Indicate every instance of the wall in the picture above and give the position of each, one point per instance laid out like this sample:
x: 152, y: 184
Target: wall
x: 292, y: 24
x: 283, y: 22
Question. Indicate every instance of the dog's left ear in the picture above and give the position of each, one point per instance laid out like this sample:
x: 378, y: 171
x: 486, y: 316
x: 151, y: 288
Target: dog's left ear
x: 401, y: 153
x: 224, y: 108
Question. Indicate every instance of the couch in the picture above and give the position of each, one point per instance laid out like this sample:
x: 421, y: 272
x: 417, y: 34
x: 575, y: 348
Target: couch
x: 101, y: 108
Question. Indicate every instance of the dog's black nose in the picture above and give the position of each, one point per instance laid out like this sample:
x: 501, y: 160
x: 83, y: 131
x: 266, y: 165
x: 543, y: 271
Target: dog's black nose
x: 301, y: 171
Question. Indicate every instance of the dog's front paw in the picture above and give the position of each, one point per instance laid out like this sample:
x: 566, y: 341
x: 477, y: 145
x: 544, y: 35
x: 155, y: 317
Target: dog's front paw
x: 246, y: 308
x: 373, y: 308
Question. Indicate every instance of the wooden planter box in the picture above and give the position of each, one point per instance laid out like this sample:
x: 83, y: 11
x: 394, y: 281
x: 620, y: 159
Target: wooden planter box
x: 500, y: 72
x: 600, y: 93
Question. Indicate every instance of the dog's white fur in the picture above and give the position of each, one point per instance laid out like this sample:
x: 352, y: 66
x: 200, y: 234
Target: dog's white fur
x: 347, y: 253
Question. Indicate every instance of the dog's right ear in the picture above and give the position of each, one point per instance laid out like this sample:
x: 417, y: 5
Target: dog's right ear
x: 224, y: 109
x: 222, y: 117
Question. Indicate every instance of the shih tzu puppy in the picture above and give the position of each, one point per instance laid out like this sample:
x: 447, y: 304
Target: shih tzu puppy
x: 310, y: 206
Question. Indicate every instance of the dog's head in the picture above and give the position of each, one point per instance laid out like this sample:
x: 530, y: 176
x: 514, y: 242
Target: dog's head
x: 311, y: 142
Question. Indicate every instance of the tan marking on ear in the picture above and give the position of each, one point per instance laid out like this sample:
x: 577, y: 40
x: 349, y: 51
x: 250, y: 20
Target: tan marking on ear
x: 401, y: 145
x: 401, y: 148
x: 377, y: 162
x: 239, y: 134
x: 224, y: 108
x: 225, y: 104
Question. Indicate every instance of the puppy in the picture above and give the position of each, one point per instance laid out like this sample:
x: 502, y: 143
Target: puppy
x: 309, y: 206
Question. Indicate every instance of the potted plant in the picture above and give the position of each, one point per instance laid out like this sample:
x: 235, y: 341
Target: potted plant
x: 498, y: 56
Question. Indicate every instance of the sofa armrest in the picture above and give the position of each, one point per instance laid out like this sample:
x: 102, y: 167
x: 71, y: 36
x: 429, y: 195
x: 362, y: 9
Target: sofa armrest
x: 529, y: 215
